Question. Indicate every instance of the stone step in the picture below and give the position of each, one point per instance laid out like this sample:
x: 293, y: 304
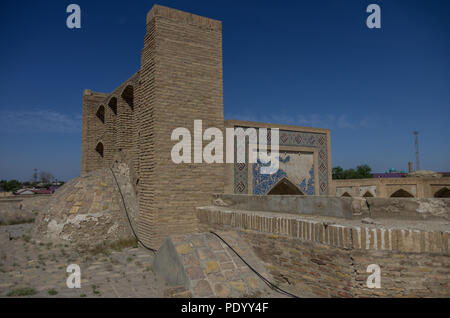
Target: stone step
x: 201, y: 265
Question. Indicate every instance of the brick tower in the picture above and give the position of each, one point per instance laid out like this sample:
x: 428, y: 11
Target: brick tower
x: 180, y: 81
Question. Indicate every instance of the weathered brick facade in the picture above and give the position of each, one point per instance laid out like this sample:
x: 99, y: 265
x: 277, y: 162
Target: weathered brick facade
x: 180, y: 80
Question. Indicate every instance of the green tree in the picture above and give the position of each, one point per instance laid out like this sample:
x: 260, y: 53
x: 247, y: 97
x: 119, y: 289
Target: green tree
x: 3, y: 185
x: 12, y: 185
x: 361, y: 172
x: 338, y: 173
x: 350, y: 174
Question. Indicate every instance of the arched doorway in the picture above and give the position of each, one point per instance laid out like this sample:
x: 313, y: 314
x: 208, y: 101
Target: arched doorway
x: 443, y: 193
x: 285, y: 187
x: 99, y: 149
x: 401, y: 194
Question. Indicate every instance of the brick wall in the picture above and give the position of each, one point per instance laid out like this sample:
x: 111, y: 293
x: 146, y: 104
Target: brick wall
x: 181, y: 81
x: 110, y: 130
x: 331, y: 260
x: 125, y: 116
x: 119, y: 127
x: 385, y: 187
x: 335, y: 272
x: 92, y: 131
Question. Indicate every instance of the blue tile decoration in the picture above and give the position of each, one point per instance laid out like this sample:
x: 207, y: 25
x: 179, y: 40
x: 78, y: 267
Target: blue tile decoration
x: 293, y: 139
x: 307, y: 186
x: 263, y: 183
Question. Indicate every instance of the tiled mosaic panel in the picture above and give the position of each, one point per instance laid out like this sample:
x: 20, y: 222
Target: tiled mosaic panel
x: 263, y: 183
x: 293, y: 139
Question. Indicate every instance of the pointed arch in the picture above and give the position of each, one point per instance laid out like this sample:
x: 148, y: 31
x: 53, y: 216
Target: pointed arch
x: 442, y: 193
x: 113, y: 104
x: 101, y: 113
x: 285, y: 187
x: 401, y: 193
x: 346, y: 194
x: 128, y: 96
x: 99, y: 149
x: 368, y: 194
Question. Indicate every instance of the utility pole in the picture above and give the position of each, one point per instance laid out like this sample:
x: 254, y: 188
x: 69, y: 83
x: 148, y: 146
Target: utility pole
x: 416, y: 142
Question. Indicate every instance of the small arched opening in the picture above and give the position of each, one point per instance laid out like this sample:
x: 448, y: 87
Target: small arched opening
x: 101, y: 113
x: 113, y: 105
x: 99, y: 149
x: 285, y: 187
x: 401, y: 194
x: 128, y: 96
x: 346, y: 195
x: 442, y: 193
x: 368, y: 194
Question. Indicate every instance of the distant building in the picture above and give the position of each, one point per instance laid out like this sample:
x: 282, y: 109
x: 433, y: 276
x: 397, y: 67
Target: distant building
x: 53, y: 188
x: 389, y: 175
x: 24, y: 192
x: 42, y: 191
x: 33, y: 191
x: 418, y: 184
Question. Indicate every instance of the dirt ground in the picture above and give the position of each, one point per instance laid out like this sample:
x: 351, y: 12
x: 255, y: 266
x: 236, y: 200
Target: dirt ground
x: 35, y: 269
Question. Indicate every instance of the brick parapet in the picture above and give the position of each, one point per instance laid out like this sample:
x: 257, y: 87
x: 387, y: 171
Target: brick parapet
x: 182, y: 17
x: 336, y: 235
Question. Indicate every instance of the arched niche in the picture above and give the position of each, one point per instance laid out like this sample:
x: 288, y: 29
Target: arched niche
x: 285, y: 187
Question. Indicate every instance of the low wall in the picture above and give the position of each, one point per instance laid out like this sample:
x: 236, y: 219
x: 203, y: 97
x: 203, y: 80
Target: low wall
x: 293, y: 204
x: 335, y: 272
x: 396, y: 208
x: 32, y: 202
x: 10, y: 203
x: 21, y: 209
x: 331, y: 260
x: 419, y: 187
x: 410, y: 208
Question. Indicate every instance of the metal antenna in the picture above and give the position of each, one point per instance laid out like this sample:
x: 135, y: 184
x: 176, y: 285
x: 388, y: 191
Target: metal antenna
x: 416, y: 142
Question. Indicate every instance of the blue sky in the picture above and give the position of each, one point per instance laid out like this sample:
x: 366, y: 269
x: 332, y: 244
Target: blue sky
x: 308, y: 63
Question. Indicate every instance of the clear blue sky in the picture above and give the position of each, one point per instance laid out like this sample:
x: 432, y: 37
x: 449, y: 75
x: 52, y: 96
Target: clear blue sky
x: 309, y: 63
